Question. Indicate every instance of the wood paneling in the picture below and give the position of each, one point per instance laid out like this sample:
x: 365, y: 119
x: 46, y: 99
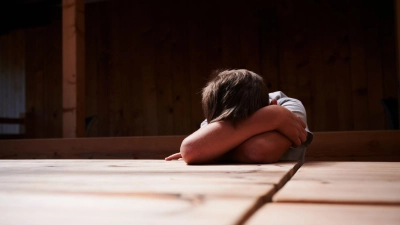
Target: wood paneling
x: 147, y: 62
x: 326, y: 146
x: 135, y: 191
x: 344, y: 183
x: 397, y: 15
x: 329, y: 214
x: 355, y: 146
x: 12, y: 80
x: 44, y: 80
x: 73, y: 68
x: 98, y: 67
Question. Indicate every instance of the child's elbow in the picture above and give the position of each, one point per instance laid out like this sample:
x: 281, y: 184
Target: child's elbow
x: 188, y: 153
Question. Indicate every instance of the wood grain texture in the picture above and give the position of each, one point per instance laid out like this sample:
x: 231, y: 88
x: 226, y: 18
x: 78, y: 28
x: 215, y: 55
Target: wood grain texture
x: 344, y: 182
x: 331, y: 146
x: 52, y: 95
x: 397, y: 9
x: 198, y: 61
x: 229, y: 35
x: 124, y: 209
x: 337, y: 57
x: 144, y: 176
x: 35, y: 82
x: 304, y: 214
x: 180, y: 60
x: 269, y: 46
x: 147, y: 49
x: 91, y: 68
x: 154, y: 191
x: 73, y: 51
x: 357, y: 65
x: 354, y: 146
x: 164, y: 85
x: 373, y: 62
x: 122, y: 147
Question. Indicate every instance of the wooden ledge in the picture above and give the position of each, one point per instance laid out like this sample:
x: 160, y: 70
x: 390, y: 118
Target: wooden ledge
x: 378, y: 145
x: 326, y: 146
x: 147, y: 147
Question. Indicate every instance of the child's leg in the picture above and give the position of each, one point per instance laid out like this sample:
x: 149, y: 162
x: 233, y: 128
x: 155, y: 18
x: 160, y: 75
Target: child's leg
x: 266, y: 147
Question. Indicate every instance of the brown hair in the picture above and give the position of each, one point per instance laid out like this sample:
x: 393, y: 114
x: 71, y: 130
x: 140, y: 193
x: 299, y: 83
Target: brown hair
x: 233, y: 95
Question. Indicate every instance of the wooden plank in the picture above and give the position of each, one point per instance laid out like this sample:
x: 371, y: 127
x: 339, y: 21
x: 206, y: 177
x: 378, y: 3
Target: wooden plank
x: 230, y: 38
x: 147, y: 171
x: 269, y: 46
x: 318, y: 122
x: 104, y: 72
x: 93, y: 56
x: 355, y: 145
x: 304, y: 214
x: 328, y: 64
x: 179, y: 69
x: 357, y: 65
x: 388, y: 45
x: 159, y: 166
x: 214, y: 48
x: 141, y: 177
x: 113, y: 147
x: 397, y: 6
x: 53, y: 80
x: 302, y: 53
x: 34, y: 81
x: 294, y: 52
x: 16, y: 90
x: 344, y: 182
x: 73, y: 27
x: 249, y: 37
x: 115, y: 79
x: 125, y: 189
x: 163, y: 77
x: 288, y: 80
x: 373, y: 65
x: 131, y: 59
x: 198, y: 66
x: 340, y: 70
x: 121, y: 209
x: 8, y: 77
x: 333, y: 146
x: 147, y: 51
x: 3, y: 45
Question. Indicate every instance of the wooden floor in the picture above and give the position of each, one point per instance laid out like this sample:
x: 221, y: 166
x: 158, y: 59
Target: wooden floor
x: 160, y: 192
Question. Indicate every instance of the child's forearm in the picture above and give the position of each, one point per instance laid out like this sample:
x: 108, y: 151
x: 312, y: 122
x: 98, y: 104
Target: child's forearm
x: 216, y: 139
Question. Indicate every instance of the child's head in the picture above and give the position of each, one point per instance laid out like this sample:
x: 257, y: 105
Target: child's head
x: 233, y: 95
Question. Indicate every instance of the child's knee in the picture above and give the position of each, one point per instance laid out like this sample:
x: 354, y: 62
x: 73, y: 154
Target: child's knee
x: 264, y: 149
x: 257, y: 151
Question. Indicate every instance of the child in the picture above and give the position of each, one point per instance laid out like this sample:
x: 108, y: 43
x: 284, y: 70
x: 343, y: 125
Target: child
x: 245, y: 124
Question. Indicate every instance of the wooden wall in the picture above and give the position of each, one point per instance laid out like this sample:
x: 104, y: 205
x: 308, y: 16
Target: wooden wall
x: 147, y: 61
x: 12, y: 80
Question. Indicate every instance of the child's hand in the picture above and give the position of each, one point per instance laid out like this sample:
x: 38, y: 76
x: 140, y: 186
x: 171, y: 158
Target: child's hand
x: 174, y: 156
x: 290, y: 125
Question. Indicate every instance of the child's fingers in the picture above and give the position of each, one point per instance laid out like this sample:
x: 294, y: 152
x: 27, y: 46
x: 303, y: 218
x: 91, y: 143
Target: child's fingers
x: 303, y: 124
x: 297, y: 143
x: 303, y: 136
x: 303, y: 132
x: 173, y: 156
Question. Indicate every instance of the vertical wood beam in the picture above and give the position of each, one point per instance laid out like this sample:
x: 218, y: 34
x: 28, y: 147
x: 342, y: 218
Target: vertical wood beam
x: 397, y: 12
x: 73, y: 52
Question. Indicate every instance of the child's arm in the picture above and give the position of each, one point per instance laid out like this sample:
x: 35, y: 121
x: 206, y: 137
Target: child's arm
x: 267, y: 147
x: 216, y: 139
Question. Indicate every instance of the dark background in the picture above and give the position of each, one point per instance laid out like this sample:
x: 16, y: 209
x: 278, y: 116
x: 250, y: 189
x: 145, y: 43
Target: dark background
x: 146, y: 61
